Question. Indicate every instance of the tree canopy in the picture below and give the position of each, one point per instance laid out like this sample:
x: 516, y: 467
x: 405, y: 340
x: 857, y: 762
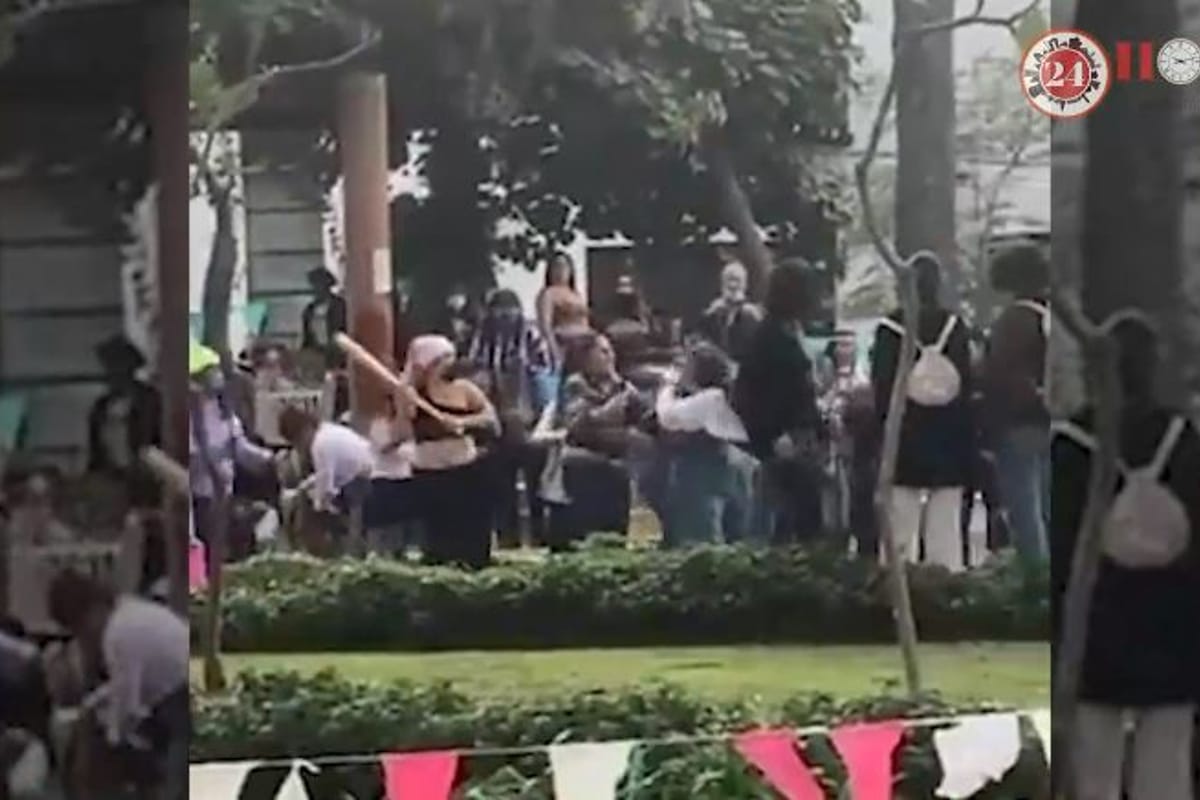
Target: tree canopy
x: 595, y: 115
x: 73, y: 85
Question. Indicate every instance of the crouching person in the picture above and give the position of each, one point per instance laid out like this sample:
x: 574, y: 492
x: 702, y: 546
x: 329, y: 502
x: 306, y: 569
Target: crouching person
x: 342, y: 463
x: 142, y: 710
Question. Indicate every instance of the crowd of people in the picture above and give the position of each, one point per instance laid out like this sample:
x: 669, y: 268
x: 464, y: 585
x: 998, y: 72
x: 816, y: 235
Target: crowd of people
x: 94, y: 691
x: 507, y: 429
x: 562, y: 423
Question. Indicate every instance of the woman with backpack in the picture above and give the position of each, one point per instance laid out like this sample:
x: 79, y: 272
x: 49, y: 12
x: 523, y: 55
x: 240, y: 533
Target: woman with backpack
x: 936, y: 438
x: 1141, y: 663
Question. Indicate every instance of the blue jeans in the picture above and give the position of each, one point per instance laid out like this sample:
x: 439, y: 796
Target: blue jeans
x: 1023, y: 483
x: 709, y: 498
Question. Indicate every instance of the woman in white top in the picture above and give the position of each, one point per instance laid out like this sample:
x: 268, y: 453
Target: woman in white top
x: 710, y: 488
x: 392, y: 507
x: 342, y: 462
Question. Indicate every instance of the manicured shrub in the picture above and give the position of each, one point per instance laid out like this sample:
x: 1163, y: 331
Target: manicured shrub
x: 603, y: 598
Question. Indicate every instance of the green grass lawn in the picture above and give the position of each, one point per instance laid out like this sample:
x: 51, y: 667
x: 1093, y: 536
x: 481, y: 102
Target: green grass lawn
x: 1018, y: 674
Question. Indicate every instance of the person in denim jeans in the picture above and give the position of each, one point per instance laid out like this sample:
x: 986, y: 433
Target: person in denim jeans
x: 1015, y: 398
x: 711, y: 486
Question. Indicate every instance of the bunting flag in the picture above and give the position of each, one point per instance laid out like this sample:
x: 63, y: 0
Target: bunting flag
x: 197, y: 567
x: 978, y: 750
x: 588, y: 771
x: 293, y: 787
x: 219, y: 781
x: 1042, y: 725
x: 774, y: 754
x: 420, y: 776
x: 867, y: 752
x: 974, y: 751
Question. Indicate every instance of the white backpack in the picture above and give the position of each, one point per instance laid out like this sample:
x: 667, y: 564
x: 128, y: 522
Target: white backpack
x: 934, y: 380
x: 1146, y: 526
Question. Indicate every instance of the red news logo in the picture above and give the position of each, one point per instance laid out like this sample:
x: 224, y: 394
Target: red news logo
x: 1176, y: 61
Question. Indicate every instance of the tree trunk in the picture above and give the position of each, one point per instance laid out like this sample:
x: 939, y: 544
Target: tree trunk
x: 925, y: 144
x: 222, y: 266
x: 739, y: 216
x: 902, y: 610
x: 1131, y: 220
x: 1133, y: 193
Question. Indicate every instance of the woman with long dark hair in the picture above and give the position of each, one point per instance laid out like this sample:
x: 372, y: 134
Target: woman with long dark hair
x: 562, y: 313
x: 937, y: 437
x: 776, y: 397
x: 513, y: 364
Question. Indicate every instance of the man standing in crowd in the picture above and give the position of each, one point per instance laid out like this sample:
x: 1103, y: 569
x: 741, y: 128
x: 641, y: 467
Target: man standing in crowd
x: 1018, y: 422
x: 324, y: 317
x: 731, y: 320
x: 936, y: 441
x: 776, y: 397
x: 124, y: 421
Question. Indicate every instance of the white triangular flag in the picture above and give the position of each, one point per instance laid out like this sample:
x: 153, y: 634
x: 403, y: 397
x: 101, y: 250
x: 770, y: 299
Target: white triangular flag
x: 589, y: 771
x: 978, y: 750
x: 218, y: 781
x: 1041, y: 724
x: 293, y: 787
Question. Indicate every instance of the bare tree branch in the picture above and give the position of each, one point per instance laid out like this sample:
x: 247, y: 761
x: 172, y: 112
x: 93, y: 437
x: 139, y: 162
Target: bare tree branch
x: 976, y: 17
x: 27, y: 16
x: 368, y: 38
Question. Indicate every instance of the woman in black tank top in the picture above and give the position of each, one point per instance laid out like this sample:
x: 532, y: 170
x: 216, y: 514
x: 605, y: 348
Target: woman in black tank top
x: 453, y: 482
x: 428, y: 428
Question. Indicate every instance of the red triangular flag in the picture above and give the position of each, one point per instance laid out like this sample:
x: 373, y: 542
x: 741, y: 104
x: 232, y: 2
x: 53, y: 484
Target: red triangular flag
x: 420, y: 776
x: 774, y: 754
x: 867, y: 752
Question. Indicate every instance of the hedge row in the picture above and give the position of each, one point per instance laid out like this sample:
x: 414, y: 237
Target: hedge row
x: 283, y: 715
x: 604, y: 598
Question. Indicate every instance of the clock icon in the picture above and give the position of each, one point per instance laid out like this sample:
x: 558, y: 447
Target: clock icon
x: 1179, y: 61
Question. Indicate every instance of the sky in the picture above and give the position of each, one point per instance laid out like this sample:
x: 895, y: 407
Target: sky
x: 874, y: 36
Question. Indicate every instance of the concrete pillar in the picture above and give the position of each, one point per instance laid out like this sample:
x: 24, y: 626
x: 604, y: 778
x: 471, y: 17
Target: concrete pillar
x: 363, y: 141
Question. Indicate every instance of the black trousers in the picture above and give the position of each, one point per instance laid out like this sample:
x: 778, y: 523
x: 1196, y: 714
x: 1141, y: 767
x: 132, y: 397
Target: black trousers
x: 457, y: 508
x: 795, y: 491
x: 600, y: 495
x: 513, y: 461
x: 160, y: 773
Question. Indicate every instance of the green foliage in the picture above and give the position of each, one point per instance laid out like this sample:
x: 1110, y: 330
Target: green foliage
x: 767, y: 79
x: 604, y: 598
x: 283, y: 715
x: 91, y: 59
x: 572, y: 115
